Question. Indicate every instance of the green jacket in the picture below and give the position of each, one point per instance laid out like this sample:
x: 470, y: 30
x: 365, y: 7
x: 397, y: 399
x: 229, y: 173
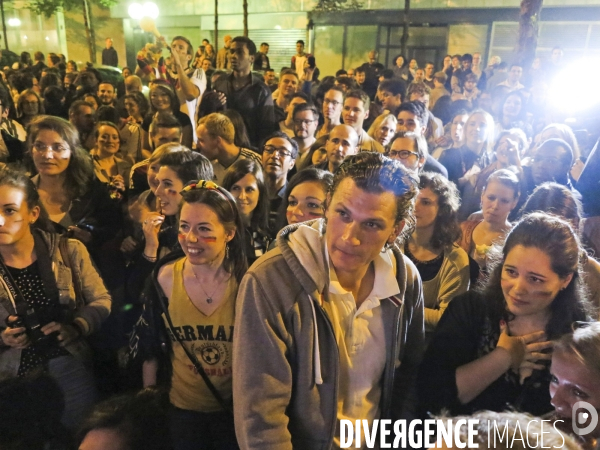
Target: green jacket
x: 285, y: 357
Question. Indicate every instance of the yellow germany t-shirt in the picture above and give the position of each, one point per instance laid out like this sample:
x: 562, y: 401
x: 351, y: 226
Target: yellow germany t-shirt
x: 210, y: 338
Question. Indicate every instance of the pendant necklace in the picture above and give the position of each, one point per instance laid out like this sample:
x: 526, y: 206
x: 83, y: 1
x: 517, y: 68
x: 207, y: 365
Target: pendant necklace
x: 209, y: 298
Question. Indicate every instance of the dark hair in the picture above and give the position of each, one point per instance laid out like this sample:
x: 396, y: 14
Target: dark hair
x: 301, y: 95
x: 53, y: 96
x: 74, y: 109
x: 164, y: 120
x: 73, y: 63
x: 22, y: 98
x: 190, y: 49
x: 264, y: 43
x: 446, y: 230
x: 165, y: 89
x: 306, y: 162
x: 93, y: 95
x: 39, y: 56
x: 22, y: 80
x: 79, y: 172
x: 282, y: 135
x: 140, y: 100
x: 305, y: 107
x: 394, y: 86
x: 237, y: 171
x: 241, y: 138
x: 106, y: 123
x: 250, y: 45
x: 54, y: 58
x: 375, y: 173
x: 387, y: 74
x: 288, y: 72
x: 348, y: 82
x: 467, y: 57
x: 443, y: 109
x: 341, y: 72
x: 417, y: 108
x: 555, y: 237
x: 404, y: 61
x: 188, y: 165
x: 567, y: 158
x: 507, y: 178
x: 209, y: 104
x: 359, y: 70
x: 107, y: 82
x: 556, y: 199
x: 521, y: 115
x: 225, y: 207
x: 300, y: 42
x: 50, y: 79
x: 108, y: 114
x: 360, y: 95
x: 310, y: 174
x: 19, y: 180
x: 138, y: 418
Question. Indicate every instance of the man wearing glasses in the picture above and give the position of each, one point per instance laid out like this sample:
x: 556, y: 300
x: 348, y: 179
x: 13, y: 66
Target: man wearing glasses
x: 278, y: 158
x: 215, y: 141
x: 332, y: 110
x: 412, y: 116
x: 306, y: 119
x: 410, y: 149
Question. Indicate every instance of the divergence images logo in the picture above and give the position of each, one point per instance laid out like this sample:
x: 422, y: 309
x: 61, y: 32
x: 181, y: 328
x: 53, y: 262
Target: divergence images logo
x: 580, y: 418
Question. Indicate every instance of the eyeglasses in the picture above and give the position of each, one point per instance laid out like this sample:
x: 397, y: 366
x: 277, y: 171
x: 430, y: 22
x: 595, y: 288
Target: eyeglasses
x: 40, y: 147
x: 303, y: 122
x: 402, y: 154
x: 281, y: 151
x: 335, y: 103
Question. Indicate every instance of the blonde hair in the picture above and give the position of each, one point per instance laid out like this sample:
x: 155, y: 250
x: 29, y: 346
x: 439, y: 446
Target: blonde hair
x: 219, y: 125
x: 376, y: 125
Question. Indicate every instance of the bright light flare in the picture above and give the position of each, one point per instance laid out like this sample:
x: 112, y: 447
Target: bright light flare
x: 565, y: 97
x: 14, y: 22
x: 137, y: 11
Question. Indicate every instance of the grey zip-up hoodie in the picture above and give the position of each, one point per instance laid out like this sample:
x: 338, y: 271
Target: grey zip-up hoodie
x: 285, y: 357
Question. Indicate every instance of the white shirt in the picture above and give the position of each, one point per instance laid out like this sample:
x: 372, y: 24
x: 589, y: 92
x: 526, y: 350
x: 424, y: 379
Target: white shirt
x: 512, y: 88
x: 361, y: 341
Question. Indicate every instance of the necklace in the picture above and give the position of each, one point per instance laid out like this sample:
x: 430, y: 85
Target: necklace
x: 209, y: 298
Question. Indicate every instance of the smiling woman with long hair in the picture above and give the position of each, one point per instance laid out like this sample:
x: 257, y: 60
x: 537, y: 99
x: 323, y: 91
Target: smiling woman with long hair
x: 195, y: 289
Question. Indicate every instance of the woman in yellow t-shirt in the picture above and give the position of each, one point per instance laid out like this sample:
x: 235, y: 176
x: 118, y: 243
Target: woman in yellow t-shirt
x: 193, y: 313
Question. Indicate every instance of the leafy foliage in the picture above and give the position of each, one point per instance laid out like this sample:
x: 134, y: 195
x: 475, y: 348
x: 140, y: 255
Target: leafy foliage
x: 338, y: 5
x: 49, y: 7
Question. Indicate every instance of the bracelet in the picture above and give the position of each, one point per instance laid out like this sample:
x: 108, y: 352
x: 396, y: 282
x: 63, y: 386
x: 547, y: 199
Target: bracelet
x: 150, y: 258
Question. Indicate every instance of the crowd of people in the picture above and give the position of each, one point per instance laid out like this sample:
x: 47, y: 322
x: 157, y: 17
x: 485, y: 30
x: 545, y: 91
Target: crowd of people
x: 386, y: 243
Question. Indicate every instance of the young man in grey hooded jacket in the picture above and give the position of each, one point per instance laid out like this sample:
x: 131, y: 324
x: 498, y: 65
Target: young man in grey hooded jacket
x: 329, y: 325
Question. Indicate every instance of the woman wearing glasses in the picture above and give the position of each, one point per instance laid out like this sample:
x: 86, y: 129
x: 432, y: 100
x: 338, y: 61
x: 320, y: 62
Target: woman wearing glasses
x: 194, y: 289
x: 74, y: 199
x: 29, y: 106
x: 491, y: 349
x: 245, y: 180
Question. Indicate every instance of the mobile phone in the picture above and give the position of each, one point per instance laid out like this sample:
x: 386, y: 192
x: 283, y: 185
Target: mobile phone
x: 311, y: 62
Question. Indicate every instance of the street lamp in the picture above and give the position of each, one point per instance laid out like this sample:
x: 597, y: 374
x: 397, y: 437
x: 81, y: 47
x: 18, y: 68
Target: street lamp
x: 137, y: 11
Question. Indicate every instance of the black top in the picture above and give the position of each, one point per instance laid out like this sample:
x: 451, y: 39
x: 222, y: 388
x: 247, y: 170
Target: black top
x: 110, y: 57
x: 458, y: 161
x: 469, y: 330
x: 427, y: 269
x: 255, y: 104
x: 29, y: 282
x: 433, y: 165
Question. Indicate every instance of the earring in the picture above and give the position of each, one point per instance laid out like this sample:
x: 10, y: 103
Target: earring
x: 227, y: 251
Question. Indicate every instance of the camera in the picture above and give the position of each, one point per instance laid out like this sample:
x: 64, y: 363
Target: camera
x: 34, y: 319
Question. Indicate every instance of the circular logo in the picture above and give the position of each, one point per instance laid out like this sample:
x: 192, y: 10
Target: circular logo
x: 581, y: 418
x: 210, y: 355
